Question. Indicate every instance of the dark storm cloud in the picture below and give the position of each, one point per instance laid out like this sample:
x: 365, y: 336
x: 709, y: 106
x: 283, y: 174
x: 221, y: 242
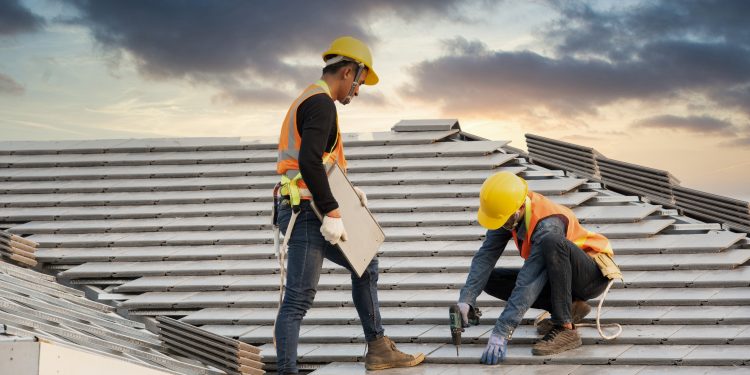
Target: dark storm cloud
x: 209, y: 40
x: 498, y: 81
x: 9, y: 86
x: 694, y: 124
x: 582, y: 29
x: 654, y: 51
x: 16, y: 19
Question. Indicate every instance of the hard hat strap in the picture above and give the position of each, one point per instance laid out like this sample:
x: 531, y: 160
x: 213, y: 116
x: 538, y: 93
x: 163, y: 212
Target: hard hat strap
x: 355, y: 83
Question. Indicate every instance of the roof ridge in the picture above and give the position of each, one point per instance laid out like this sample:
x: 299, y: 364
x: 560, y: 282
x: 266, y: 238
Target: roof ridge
x: 638, y: 179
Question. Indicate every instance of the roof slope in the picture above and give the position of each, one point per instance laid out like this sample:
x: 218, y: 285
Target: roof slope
x: 34, y: 306
x: 180, y: 227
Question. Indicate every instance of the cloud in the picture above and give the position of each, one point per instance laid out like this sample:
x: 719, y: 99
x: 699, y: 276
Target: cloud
x: 17, y: 19
x: 743, y: 142
x: 249, y: 41
x: 9, y: 86
x: 644, y: 53
x: 694, y: 124
x: 617, y: 33
x: 462, y: 46
x: 737, y: 97
x: 239, y: 96
x: 509, y: 82
x: 372, y: 97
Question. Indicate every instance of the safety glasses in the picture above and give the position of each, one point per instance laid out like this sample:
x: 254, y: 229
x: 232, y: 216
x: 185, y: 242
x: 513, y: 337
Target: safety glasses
x: 513, y: 220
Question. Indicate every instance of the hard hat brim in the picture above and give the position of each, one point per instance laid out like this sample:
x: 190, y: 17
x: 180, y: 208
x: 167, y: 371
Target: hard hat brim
x: 372, y: 78
x: 489, y: 222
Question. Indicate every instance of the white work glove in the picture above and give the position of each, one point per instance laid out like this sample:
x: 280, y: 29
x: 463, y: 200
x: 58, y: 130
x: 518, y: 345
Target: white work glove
x: 362, y: 196
x: 333, y: 229
x: 464, y: 307
x: 495, y: 351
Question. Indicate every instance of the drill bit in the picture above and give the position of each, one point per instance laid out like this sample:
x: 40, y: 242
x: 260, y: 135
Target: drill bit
x: 456, y: 326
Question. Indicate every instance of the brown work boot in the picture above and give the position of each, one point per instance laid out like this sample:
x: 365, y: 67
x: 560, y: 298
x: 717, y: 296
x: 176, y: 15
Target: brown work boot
x: 557, y: 340
x: 382, y: 354
x: 578, y: 311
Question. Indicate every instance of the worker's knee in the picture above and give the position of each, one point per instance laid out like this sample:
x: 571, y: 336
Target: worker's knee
x: 298, y: 301
x: 370, y: 273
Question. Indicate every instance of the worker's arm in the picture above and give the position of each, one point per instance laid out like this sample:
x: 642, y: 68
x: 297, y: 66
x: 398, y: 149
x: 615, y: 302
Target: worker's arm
x: 483, y: 263
x: 530, y: 281
x: 317, y: 125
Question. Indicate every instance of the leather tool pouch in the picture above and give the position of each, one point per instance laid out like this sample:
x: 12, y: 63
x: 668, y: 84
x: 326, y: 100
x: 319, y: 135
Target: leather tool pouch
x: 608, y: 266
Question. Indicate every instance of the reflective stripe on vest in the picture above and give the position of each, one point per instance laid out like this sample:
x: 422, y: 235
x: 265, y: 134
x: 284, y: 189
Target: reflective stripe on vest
x: 290, y: 141
x: 541, y: 208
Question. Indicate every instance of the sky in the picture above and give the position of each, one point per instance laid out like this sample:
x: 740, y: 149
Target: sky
x: 665, y: 84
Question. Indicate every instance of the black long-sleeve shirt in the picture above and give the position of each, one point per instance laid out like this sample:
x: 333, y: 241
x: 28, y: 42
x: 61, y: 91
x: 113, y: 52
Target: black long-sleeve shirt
x: 316, y: 124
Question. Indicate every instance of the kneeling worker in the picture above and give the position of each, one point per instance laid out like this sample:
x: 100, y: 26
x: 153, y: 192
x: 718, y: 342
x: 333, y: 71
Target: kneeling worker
x: 309, y: 137
x: 559, y: 272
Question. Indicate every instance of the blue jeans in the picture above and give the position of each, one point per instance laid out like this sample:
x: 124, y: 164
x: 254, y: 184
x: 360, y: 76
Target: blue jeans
x: 526, y: 288
x: 555, y: 273
x: 307, y: 249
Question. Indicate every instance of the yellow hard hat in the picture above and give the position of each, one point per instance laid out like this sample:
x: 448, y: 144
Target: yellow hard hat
x: 354, y: 49
x: 501, y: 195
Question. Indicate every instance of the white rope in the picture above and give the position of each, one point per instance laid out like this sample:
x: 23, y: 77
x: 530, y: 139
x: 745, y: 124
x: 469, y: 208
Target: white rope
x: 598, y: 324
x: 281, y: 255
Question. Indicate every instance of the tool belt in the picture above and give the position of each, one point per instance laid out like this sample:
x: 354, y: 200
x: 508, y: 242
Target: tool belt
x: 607, y: 266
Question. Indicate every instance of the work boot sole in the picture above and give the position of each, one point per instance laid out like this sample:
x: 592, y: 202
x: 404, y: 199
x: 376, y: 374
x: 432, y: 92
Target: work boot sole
x: 543, y: 348
x: 419, y: 358
x: 580, y: 311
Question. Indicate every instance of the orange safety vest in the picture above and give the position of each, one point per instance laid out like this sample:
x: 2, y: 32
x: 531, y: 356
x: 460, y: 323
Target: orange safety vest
x: 539, y: 207
x: 290, y: 140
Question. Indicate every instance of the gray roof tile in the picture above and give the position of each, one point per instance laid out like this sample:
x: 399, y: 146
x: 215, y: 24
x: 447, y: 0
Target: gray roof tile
x: 692, y: 334
x: 32, y: 308
x: 166, y: 244
x: 592, y: 354
x: 654, y: 354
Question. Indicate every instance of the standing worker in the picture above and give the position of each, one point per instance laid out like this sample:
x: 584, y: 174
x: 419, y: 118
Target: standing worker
x: 310, y: 137
x: 560, y: 272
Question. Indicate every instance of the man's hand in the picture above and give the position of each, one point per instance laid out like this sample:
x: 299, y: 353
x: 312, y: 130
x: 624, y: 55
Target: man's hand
x: 494, y: 353
x: 362, y: 196
x: 464, y: 307
x: 333, y: 229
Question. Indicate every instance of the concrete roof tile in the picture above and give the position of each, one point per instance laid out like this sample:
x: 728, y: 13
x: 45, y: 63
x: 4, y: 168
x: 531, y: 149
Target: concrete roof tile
x: 182, y: 218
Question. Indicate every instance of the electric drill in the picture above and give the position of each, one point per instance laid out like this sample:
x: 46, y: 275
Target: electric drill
x: 457, y: 324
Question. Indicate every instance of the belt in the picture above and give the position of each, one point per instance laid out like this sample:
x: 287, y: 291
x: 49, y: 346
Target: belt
x: 304, y: 194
